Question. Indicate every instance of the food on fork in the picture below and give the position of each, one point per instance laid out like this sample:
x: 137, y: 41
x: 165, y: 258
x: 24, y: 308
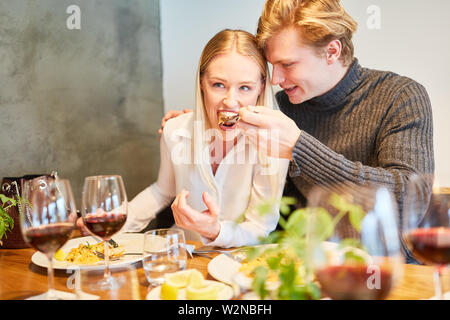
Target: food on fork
x: 228, y: 118
x: 86, y: 253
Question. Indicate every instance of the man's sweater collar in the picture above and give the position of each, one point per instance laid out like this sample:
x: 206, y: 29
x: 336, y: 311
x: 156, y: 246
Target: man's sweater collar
x: 335, y: 98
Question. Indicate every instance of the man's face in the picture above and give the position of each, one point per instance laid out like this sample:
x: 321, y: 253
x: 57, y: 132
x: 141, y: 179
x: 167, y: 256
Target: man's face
x: 297, y: 67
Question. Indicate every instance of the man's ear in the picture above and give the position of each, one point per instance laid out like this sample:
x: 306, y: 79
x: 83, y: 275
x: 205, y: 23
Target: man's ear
x: 333, y: 51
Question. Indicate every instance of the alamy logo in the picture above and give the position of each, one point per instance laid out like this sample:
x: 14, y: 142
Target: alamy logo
x: 374, y: 20
x: 74, y: 20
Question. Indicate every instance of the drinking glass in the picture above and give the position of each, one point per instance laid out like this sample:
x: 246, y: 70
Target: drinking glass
x: 353, y: 241
x: 426, y: 224
x: 164, y: 252
x: 104, y: 212
x: 47, y: 219
x: 125, y: 275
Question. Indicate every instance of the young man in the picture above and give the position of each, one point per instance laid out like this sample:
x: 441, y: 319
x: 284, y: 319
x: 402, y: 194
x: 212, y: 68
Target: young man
x: 339, y: 122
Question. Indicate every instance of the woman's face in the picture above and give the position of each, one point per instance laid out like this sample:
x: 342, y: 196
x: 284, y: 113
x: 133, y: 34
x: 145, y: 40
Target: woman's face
x: 231, y: 81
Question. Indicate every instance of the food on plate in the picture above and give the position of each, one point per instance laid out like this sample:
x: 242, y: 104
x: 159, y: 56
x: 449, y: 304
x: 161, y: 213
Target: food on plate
x: 280, y: 258
x: 85, y: 253
x: 192, y: 282
x: 60, y: 255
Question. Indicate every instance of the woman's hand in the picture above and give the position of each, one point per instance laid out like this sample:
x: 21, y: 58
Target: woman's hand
x: 205, y: 223
x: 271, y: 131
x: 169, y: 115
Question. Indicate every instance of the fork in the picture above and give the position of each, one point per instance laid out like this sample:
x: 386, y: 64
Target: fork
x: 228, y: 253
x: 102, y: 256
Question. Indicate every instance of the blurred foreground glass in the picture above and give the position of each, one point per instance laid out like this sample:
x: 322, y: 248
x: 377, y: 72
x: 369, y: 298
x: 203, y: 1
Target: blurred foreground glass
x: 164, y: 252
x: 47, y: 219
x: 426, y: 224
x: 104, y: 212
x: 354, y: 247
x: 126, y: 276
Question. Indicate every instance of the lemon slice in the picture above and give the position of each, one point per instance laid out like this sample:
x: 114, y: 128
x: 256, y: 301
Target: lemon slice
x: 60, y: 255
x: 173, y: 282
x: 206, y: 292
x: 169, y: 292
x: 196, y: 279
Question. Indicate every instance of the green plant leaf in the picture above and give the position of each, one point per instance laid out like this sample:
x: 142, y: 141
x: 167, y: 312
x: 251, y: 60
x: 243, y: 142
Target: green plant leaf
x: 322, y: 223
x: 296, y: 223
x: 356, y: 215
x: 350, y: 256
x: 313, y: 291
x: 258, y: 284
x: 274, y: 262
x: 285, y: 204
x: 4, y: 199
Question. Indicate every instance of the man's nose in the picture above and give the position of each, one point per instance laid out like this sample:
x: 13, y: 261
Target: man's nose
x: 277, y: 76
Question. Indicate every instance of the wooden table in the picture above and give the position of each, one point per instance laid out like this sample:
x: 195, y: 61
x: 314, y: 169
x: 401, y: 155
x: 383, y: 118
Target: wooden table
x: 20, y: 278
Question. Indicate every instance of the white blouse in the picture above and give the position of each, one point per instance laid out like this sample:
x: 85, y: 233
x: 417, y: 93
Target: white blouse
x: 239, y: 183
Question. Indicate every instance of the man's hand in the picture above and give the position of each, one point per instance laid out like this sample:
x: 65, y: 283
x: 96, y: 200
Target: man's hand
x: 169, y: 115
x: 205, y: 223
x: 271, y: 131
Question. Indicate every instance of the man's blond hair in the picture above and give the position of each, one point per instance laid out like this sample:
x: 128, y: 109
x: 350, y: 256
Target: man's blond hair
x: 318, y: 21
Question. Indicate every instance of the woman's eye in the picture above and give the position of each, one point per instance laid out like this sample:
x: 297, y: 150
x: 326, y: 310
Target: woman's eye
x: 218, y: 85
x: 246, y: 88
x: 287, y: 65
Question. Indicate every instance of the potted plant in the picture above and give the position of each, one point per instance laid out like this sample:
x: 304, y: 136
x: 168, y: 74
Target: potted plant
x: 6, y: 222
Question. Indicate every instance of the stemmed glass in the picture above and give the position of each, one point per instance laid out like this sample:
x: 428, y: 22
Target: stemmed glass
x: 104, y: 212
x: 353, y: 241
x: 426, y: 224
x: 47, y: 219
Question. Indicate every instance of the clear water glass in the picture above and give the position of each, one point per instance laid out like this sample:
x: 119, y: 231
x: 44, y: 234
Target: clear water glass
x: 164, y: 251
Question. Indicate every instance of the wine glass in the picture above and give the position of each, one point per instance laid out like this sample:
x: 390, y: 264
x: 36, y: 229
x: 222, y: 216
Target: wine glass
x: 426, y: 224
x: 104, y: 212
x: 353, y: 241
x: 47, y: 219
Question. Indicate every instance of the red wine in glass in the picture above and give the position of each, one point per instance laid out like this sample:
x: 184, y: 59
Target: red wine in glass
x: 104, y: 212
x: 430, y: 245
x: 49, y: 238
x: 355, y: 282
x: 105, y: 225
x: 47, y: 218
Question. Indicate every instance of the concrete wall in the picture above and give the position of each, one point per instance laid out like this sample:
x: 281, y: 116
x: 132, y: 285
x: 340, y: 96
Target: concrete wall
x: 83, y: 102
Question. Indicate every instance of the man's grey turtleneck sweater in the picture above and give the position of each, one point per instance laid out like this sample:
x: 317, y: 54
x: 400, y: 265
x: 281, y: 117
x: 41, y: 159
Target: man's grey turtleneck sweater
x: 373, y: 126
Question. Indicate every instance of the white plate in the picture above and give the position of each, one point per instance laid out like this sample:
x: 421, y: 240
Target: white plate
x: 225, y: 292
x: 132, y: 242
x: 225, y: 269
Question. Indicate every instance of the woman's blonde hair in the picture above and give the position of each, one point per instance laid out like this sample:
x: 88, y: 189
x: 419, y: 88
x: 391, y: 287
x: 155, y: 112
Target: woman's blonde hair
x: 318, y: 21
x: 244, y: 43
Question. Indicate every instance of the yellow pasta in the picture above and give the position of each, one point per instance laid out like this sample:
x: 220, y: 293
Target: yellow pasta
x: 84, y: 253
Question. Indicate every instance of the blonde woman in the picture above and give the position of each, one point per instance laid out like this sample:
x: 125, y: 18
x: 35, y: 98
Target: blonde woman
x: 212, y: 171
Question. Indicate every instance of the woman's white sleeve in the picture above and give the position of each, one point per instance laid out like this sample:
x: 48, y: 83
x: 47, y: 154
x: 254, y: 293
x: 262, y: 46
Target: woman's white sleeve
x: 267, y: 185
x: 145, y: 206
